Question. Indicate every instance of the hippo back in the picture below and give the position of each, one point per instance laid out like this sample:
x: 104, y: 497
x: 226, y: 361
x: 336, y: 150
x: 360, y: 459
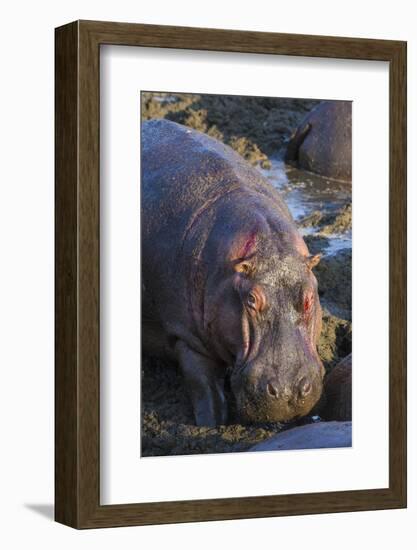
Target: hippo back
x: 183, y: 172
x: 182, y: 169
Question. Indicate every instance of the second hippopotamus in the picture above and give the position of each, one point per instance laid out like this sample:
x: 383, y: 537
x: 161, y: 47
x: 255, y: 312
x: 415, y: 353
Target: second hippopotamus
x: 323, y: 141
x: 227, y: 284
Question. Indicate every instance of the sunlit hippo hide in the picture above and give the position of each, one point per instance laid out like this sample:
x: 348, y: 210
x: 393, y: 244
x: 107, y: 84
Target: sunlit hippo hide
x: 227, y: 284
x: 323, y: 141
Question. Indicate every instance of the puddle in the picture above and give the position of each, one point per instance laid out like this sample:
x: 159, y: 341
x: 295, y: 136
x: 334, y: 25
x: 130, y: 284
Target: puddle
x: 305, y: 193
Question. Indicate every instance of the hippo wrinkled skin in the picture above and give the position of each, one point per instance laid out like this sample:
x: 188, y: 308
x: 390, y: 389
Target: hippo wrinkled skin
x: 227, y: 282
x: 323, y: 141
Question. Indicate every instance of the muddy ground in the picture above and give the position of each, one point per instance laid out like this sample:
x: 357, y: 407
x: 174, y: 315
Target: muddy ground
x: 258, y: 128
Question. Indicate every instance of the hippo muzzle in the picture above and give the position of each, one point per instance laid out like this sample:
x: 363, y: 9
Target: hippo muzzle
x: 268, y: 392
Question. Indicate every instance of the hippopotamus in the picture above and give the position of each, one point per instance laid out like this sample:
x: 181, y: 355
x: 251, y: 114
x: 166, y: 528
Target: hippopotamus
x: 323, y: 141
x: 337, y: 398
x: 227, y: 284
x: 321, y: 435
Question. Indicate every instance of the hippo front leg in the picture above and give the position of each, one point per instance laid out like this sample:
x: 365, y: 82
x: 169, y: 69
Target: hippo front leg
x: 205, y: 384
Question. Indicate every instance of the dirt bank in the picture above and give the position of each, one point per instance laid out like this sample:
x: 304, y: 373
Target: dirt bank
x: 256, y: 127
x: 328, y: 223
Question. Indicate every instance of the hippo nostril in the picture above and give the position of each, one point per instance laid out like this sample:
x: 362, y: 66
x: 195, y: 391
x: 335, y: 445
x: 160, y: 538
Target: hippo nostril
x: 304, y: 387
x: 272, y: 390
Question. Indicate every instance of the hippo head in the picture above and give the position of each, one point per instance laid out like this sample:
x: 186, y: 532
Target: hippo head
x: 269, y: 319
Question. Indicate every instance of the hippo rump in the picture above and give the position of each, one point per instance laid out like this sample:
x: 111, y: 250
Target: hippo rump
x: 323, y: 141
x: 227, y: 284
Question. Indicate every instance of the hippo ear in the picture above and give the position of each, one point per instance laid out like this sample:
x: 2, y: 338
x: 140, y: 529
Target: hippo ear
x: 242, y: 252
x: 312, y: 261
x: 244, y: 266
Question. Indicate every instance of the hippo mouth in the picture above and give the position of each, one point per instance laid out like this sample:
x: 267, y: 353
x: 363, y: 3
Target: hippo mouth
x: 259, y: 400
x: 252, y: 411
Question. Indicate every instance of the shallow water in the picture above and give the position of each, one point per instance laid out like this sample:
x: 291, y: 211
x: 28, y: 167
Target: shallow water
x: 305, y: 193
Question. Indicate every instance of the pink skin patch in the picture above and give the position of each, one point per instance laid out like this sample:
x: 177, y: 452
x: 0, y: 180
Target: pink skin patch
x: 308, y: 303
x: 248, y: 246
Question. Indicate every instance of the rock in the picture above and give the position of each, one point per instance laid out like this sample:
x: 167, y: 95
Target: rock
x: 320, y: 435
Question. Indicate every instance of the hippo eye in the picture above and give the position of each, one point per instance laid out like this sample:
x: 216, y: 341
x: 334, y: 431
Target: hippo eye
x: 256, y: 299
x: 251, y: 300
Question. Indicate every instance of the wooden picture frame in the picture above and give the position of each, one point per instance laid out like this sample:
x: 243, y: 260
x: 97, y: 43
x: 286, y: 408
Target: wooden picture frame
x: 77, y: 374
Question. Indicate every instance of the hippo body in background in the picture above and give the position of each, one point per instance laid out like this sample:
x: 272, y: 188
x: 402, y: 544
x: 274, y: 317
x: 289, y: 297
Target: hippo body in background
x: 322, y: 435
x: 323, y: 141
x: 227, y: 282
x: 338, y: 392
